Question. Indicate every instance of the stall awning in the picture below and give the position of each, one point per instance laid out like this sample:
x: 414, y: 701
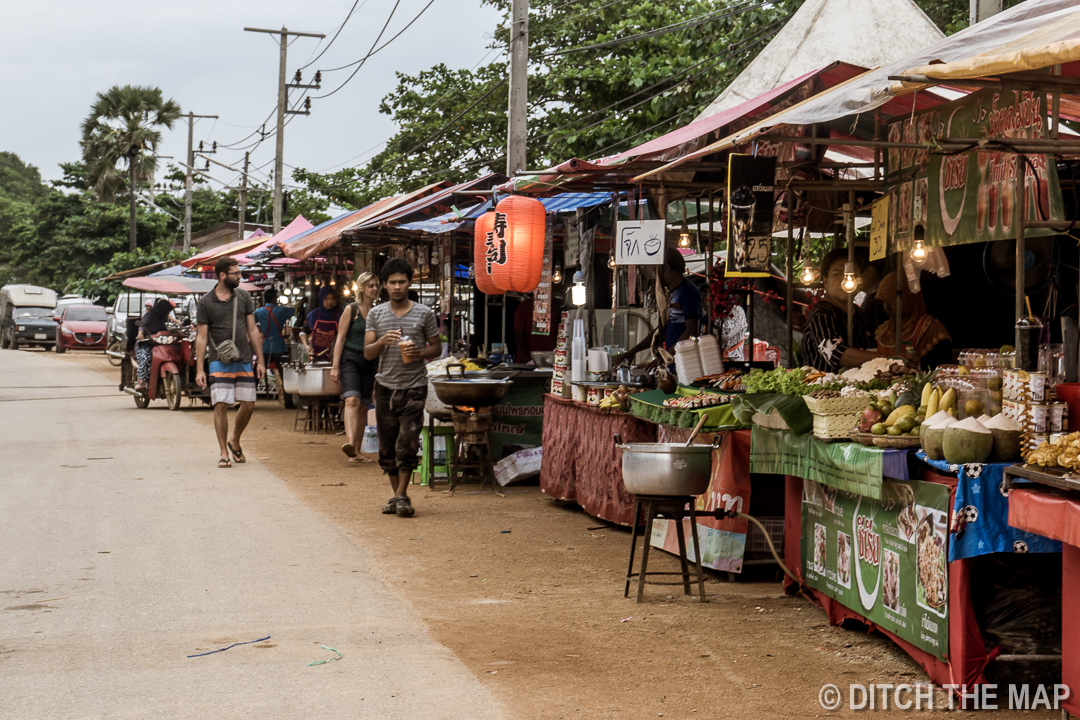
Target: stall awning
x: 1015, y: 31
x: 208, y: 258
x: 434, y: 203
x: 299, y: 225
x: 144, y: 270
x: 178, y: 285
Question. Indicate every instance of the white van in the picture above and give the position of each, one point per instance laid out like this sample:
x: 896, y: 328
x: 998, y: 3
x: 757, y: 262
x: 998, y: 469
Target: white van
x: 26, y: 316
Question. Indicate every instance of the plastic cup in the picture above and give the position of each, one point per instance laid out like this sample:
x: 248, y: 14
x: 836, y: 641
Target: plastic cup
x: 404, y: 345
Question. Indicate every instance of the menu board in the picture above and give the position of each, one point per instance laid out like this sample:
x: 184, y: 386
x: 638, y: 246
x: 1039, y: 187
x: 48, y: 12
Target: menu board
x: 885, y: 559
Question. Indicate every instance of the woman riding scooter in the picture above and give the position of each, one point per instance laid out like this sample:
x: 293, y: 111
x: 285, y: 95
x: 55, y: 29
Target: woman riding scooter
x: 153, y: 322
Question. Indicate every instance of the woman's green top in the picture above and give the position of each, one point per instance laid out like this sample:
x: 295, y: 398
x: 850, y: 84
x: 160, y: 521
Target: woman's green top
x: 357, y: 329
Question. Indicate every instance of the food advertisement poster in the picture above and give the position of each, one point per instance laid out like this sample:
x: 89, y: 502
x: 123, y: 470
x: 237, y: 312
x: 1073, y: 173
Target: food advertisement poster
x: 886, y: 560
x: 968, y: 197
x: 750, y: 189
x: 879, y: 229
x: 542, y: 297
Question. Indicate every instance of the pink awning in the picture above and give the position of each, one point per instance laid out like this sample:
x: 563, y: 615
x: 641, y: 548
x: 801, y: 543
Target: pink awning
x: 299, y: 225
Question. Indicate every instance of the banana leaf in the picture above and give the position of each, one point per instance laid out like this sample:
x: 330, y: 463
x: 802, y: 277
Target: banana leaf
x: 792, y: 410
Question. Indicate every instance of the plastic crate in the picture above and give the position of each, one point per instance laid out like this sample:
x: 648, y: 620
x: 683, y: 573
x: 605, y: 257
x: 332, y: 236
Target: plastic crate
x: 755, y: 541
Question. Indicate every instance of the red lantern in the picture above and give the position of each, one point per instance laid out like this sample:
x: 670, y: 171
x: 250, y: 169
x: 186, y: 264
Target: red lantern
x: 484, y: 225
x: 516, y: 251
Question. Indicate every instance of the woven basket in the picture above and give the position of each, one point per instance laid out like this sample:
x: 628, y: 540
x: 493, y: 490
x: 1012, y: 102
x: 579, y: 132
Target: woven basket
x: 837, y: 406
x: 835, y: 427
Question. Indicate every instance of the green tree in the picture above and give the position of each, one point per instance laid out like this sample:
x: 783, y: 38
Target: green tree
x: 123, y: 129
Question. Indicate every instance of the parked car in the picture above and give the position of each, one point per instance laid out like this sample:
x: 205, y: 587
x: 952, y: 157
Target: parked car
x: 71, y: 300
x: 82, y: 327
x: 129, y: 305
x: 26, y: 316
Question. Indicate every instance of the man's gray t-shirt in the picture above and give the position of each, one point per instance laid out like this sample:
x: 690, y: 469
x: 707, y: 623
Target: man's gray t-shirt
x: 218, y: 316
x: 418, y: 325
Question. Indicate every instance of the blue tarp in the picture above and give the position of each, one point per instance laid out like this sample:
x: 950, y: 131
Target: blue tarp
x: 555, y: 204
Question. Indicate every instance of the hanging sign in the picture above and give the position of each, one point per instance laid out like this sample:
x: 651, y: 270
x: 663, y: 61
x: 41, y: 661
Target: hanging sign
x: 879, y: 229
x: 750, y: 215
x: 885, y: 559
x: 541, y: 317
x: 640, y: 242
x: 971, y: 196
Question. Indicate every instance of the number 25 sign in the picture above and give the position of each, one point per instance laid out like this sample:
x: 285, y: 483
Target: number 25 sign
x: 640, y: 242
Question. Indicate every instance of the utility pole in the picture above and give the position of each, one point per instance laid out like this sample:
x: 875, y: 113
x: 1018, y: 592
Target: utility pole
x: 982, y: 9
x: 281, y: 109
x: 243, y: 196
x: 519, y: 91
x: 188, y: 179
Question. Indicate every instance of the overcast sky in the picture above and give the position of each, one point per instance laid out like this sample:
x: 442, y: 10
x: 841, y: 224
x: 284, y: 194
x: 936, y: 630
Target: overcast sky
x: 58, y: 54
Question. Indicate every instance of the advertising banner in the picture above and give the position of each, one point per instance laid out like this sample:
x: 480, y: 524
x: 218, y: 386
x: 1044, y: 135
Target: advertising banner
x: 518, y: 421
x: 542, y: 297
x: 885, y: 559
x: 750, y: 215
x: 968, y: 197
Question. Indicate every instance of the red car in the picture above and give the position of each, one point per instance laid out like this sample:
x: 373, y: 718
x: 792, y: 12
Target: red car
x: 82, y: 327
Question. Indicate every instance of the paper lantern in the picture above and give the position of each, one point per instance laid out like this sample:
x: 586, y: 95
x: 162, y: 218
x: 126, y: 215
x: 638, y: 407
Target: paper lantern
x: 515, y: 254
x: 484, y: 283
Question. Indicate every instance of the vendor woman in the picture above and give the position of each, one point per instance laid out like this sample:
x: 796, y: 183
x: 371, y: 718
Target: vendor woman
x: 924, y: 337
x: 321, y: 327
x: 824, y: 342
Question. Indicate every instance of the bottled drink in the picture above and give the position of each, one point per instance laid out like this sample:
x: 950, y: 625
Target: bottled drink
x: 1028, y: 333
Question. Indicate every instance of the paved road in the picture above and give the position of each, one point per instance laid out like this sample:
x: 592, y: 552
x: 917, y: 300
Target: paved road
x: 125, y: 551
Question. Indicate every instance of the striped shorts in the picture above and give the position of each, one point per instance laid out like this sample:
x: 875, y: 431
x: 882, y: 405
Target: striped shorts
x: 232, y: 383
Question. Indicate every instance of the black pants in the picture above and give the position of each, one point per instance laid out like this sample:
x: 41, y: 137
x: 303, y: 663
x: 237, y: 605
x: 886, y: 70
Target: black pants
x: 400, y: 417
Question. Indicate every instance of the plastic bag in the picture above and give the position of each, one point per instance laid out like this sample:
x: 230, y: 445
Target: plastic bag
x: 522, y: 465
x: 370, y: 443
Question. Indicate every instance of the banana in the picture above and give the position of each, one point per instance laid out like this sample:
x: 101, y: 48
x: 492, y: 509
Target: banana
x: 948, y: 400
x: 927, y: 391
x: 934, y: 403
x: 899, y: 414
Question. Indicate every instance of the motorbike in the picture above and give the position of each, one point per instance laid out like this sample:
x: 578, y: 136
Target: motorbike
x: 115, y: 350
x: 172, y: 368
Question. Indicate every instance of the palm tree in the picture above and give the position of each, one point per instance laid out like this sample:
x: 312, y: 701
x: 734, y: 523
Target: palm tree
x: 122, y: 130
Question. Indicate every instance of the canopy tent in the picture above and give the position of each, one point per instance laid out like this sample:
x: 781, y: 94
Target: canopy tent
x: 208, y: 258
x: 178, y: 285
x: 299, y: 225
x: 144, y: 270
x: 1037, y: 33
x: 857, y: 32
x: 451, y: 221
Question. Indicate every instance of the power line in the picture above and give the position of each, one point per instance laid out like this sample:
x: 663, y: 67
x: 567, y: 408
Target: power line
x: 338, y: 32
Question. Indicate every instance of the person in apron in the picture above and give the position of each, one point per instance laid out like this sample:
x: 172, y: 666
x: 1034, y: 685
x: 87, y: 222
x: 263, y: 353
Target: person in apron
x: 321, y: 327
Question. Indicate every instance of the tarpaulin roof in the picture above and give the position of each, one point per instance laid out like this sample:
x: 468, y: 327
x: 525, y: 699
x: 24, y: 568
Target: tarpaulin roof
x: 689, y: 137
x: 1016, y: 31
x: 300, y: 224
x: 862, y: 33
x: 554, y: 204
x: 144, y: 270
x: 178, y: 285
x: 319, y: 238
x: 427, y: 206
x: 211, y: 256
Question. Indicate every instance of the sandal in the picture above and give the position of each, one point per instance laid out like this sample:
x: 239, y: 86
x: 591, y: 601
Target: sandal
x: 349, y: 450
x: 361, y: 460
x: 238, y: 453
x: 224, y: 463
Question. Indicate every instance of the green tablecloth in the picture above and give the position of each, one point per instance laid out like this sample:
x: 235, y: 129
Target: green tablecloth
x: 846, y: 466
x: 649, y: 406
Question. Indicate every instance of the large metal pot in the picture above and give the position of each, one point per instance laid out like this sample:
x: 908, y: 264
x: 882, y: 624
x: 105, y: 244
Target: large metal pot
x: 469, y: 391
x: 666, y: 468
x: 314, y: 380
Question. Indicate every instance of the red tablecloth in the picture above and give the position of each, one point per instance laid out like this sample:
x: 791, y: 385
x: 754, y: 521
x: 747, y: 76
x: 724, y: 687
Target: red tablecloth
x: 967, y: 656
x: 1056, y: 515
x: 580, y: 460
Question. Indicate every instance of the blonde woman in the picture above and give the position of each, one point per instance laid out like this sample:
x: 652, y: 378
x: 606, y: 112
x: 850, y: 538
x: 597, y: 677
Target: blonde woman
x: 355, y: 372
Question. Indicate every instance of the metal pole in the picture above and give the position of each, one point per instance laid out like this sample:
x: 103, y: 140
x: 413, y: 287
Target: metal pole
x: 789, y: 270
x: 243, y: 197
x: 452, y: 314
x: 750, y: 319
x: 1021, y: 250
x: 188, y: 181
x: 898, y: 317
x: 849, y: 226
x: 519, y: 78
x: 280, y: 138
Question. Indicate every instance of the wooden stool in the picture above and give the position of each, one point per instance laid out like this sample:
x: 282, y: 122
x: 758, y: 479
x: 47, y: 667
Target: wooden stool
x: 429, y: 469
x: 674, y: 508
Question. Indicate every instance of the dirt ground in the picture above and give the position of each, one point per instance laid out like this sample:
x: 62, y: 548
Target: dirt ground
x: 528, y: 592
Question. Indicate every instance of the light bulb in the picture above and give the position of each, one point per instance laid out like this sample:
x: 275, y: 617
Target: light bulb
x: 556, y: 277
x: 577, y: 293
x: 918, y: 253
x: 355, y: 287
x: 849, y: 283
x: 611, y: 261
x: 333, y: 281
x: 346, y: 292
x: 684, y: 240
x: 808, y: 275
x: 307, y: 281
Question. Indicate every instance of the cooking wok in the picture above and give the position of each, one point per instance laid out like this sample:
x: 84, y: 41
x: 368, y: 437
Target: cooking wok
x: 470, y: 391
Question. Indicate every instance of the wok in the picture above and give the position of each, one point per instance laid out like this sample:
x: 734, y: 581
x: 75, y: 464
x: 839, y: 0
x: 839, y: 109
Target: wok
x: 469, y: 391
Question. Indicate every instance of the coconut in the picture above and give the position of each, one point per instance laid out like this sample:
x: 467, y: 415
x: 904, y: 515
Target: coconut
x: 967, y: 441
x: 1008, y: 438
x: 932, y: 433
x: 983, y: 419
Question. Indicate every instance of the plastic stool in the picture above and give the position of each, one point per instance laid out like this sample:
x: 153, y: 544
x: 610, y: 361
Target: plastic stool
x: 429, y: 469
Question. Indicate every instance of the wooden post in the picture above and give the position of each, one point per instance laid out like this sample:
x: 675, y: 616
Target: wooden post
x: 789, y: 270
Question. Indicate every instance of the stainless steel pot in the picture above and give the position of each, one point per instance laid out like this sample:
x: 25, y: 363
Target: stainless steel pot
x: 290, y: 380
x: 469, y: 391
x: 314, y: 380
x: 666, y: 468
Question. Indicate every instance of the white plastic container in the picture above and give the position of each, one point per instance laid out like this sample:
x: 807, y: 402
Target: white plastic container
x: 712, y: 361
x: 688, y: 361
x: 577, y: 353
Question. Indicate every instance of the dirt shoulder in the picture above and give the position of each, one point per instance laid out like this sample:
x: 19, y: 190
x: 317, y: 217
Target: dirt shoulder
x: 528, y: 593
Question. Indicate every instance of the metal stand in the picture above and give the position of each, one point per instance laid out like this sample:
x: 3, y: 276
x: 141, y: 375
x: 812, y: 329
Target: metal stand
x: 674, y: 508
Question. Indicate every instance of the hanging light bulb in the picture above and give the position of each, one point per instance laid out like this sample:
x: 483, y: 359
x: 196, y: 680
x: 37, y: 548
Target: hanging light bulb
x: 684, y: 236
x: 556, y: 277
x: 808, y: 275
x: 577, y: 293
x: 919, y: 253
x: 346, y: 292
x: 355, y: 287
x: 849, y: 284
x: 307, y: 282
x: 333, y: 282
x: 611, y: 261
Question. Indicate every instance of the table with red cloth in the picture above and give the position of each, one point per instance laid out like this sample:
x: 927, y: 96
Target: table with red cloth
x: 967, y: 654
x: 581, y: 462
x: 1056, y: 514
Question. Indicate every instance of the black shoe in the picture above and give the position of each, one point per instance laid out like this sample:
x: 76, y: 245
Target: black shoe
x: 404, y: 507
x: 391, y: 506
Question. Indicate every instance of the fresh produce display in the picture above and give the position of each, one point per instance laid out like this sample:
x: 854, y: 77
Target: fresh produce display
x: 881, y: 369
x: 695, y: 402
x: 785, y: 382
x: 1008, y: 438
x: 933, y: 434
x: 1060, y: 452
x: 620, y: 399
x: 967, y: 441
